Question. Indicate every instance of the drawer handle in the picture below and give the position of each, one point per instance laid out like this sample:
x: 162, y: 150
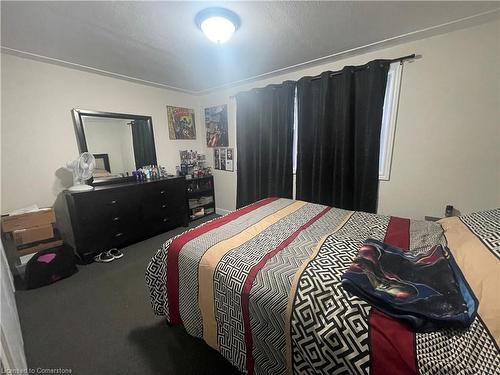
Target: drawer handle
x: 116, y: 218
x: 165, y: 219
x: 113, y: 202
x: 162, y: 192
x: 118, y: 234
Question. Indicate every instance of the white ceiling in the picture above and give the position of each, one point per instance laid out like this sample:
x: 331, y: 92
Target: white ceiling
x: 159, y: 42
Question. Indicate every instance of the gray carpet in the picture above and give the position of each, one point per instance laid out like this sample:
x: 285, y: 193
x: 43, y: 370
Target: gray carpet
x: 100, y: 321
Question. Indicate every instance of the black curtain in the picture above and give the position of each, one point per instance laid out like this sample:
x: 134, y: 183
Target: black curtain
x: 339, y: 121
x: 144, y: 148
x: 264, y: 139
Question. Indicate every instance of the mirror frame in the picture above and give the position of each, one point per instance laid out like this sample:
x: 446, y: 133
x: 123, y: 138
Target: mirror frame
x: 80, y: 133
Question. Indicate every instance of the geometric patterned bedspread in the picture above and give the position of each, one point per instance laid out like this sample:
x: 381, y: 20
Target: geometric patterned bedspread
x: 261, y: 285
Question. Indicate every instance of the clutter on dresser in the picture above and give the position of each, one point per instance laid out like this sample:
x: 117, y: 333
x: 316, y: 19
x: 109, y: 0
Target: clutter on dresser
x: 201, y: 197
x: 150, y: 172
x: 193, y: 165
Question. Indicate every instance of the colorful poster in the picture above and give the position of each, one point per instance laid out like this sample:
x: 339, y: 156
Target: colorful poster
x: 181, y: 123
x: 216, y: 126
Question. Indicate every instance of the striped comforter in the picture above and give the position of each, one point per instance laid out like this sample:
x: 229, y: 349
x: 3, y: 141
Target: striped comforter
x: 262, y: 286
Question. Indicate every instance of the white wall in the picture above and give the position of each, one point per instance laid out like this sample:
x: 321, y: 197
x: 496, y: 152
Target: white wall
x: 446, y: 149
x: 37, y: 129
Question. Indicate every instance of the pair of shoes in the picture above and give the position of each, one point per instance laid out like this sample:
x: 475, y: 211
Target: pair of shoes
x: 108, y: 256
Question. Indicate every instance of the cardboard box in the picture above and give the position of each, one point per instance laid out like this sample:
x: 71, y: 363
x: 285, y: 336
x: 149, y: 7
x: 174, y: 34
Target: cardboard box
x: 39, y: 247
x: 34, y: 234
x: 44, y: 216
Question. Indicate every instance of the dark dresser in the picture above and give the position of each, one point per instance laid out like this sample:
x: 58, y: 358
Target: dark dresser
x: 201, y: 197
x: 120, y: 214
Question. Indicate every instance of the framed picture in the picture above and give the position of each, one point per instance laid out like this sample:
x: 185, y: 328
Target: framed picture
x: 181, y: 123
x: 224, y: 159
x: 216, y: 126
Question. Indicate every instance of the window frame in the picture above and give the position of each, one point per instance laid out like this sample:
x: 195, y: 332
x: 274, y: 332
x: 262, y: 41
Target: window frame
x: 389, y: 119
x: 295, y: 132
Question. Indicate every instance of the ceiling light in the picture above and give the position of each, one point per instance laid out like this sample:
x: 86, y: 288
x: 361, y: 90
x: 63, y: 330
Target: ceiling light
x: 218, y: 24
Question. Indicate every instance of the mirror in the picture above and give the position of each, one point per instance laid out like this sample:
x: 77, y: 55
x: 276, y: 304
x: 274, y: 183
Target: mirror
x: 121, y: 143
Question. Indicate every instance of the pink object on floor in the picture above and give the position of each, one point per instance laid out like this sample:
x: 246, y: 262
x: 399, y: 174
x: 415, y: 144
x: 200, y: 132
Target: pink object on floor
x: 46, y: 258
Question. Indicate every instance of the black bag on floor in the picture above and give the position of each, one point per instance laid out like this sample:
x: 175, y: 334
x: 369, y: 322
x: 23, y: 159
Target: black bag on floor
x: 48, y: 266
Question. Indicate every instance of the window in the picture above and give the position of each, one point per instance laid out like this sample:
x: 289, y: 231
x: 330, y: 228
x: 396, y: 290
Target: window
x: 295, y: 130
x: 388, y: 122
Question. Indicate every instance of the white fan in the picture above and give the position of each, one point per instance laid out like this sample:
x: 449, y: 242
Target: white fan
x: 83, y: 169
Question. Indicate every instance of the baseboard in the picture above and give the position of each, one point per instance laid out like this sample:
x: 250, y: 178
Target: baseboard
x: 221, y: 211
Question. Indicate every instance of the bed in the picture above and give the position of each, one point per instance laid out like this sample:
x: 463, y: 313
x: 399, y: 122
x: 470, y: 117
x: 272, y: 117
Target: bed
x: 261, y: 285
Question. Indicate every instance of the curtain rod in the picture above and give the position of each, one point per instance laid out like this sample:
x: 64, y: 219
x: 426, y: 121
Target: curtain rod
x: 400, y: 59
x: 403, y: 58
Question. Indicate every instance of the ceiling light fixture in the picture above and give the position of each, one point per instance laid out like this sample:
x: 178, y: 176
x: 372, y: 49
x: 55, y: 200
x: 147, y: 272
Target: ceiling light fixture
x: 218, y: 24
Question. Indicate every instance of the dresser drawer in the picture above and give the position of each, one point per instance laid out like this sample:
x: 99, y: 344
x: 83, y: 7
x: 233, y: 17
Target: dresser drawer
x: 105, y: 238
x: 92, y: 243
x: 160, y: 224
x: 177, y: 191
x: 156, y: 210
x: 161, y: 199
x: 97, y: 206
x: 163, y: 208
x: 120, y: 237
x: 155, y: 192
x: 106, y: 207
x: 172, y: 192
x: 106, y: 227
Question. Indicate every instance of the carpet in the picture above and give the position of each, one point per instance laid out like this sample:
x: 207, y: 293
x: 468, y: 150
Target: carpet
x: 100, y: 321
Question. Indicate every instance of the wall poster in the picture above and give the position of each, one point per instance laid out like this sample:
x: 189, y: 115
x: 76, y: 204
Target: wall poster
x: 216, y: 126
x: 224, y: 159
x: 181, y: 123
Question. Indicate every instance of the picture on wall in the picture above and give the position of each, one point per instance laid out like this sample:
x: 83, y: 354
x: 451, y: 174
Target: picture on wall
x: 181, y: 123
x: 224, y: 159
x: 216, y: 126
x: 216, y: 158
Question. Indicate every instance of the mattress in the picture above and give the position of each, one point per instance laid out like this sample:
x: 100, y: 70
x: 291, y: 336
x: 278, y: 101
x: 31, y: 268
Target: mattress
x: 261, y: 285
